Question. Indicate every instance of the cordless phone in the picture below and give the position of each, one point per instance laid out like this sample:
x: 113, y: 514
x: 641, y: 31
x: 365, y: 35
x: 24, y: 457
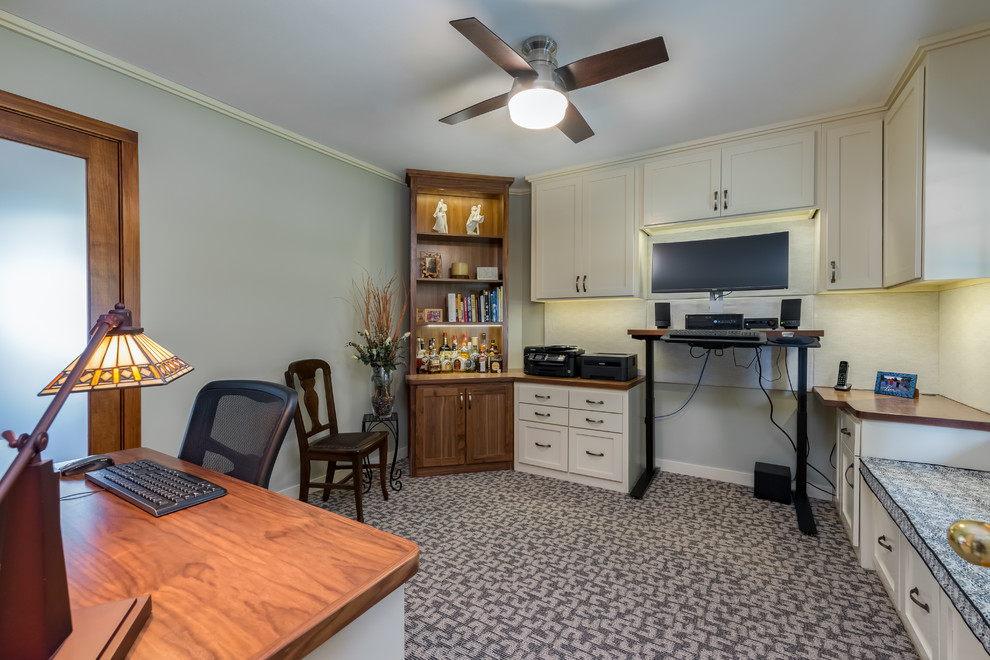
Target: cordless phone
x: 840, y: 382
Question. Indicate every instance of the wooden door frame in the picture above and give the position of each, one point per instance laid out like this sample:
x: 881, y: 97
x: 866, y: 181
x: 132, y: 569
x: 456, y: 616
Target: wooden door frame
x: 113, y: 245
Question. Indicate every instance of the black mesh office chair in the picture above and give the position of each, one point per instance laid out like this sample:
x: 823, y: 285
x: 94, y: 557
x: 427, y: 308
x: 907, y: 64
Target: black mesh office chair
x: 237, y: 426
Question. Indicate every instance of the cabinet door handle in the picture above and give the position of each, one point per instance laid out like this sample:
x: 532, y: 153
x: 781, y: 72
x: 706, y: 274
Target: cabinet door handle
x: 542, y: 396
x: 584, y: 283
x: 540, y: 414
x: 845, y: 432
x: 725, y: 199
x: 577, y: 278
x: 542, y: 445
x: 715, y: 205
x: 917, y: 601
x: 833, y: 271
x: 462, y: 400
x: 591, y: 453
x: 594, y: 403
x: 594, y: 421
x: 883, y: 544
x: 469, y: 401
x: 851, y: 485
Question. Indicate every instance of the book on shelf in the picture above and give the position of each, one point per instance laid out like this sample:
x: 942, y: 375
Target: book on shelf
x: 483, y: 307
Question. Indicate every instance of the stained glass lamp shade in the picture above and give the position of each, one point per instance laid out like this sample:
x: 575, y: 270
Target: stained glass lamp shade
x: 129, y: 359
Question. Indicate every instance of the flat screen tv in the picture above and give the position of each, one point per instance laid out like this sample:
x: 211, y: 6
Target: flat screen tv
x: 738, y: 263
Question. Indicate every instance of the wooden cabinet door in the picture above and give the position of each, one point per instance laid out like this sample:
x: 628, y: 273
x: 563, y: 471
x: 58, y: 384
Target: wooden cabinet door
x: 489, y: 423
x: 556, y: 237
x: 682, y: 187
x: 610, y: 249
x: 439, y: 426
x: 854, y: 205
x: 902, y: 197
x: 769, y: 174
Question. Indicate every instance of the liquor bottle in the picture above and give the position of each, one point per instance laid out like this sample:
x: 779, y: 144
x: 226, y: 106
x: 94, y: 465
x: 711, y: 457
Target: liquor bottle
x: 474, y: 353
x: 466, y: 363
x: 421, y: 368
x: 446, y: 363
x: 434, y: 357
x: 482, y: 359
x: 495, y: 359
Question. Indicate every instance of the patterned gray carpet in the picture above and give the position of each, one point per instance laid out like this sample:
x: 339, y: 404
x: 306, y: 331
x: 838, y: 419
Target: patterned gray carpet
x: 519, y: 566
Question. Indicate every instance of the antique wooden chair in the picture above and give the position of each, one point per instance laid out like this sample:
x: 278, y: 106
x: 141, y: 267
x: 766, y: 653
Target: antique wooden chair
x: 322, y: 441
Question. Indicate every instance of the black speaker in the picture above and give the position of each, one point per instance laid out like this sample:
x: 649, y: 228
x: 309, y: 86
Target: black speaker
x: 790, y: 313
x: 662, y: 315
x: 772, y: 482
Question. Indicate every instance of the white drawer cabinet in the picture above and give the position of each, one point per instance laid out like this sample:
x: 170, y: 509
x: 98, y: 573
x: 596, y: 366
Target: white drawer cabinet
x: 847, y: 473
x: 589, y: 435
x: 931, y: 620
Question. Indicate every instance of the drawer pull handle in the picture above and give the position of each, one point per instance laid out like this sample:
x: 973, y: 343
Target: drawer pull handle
x: 540, y: 414
x: 542, y: 396
x: 577, y: 278
x: 845, y: 431
x: 886, y: 546
x: 594, y: 421
x: 542, y: 445
x: 914, y: 592
x: 851, y: 484
x: 594, y: 403
x: 591, y: 453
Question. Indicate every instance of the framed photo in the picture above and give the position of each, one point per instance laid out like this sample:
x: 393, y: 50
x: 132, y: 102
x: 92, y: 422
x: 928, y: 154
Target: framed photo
x: 434, y: 315
x: 894, y: 384
x: 420, y: 315
x: 430, y: 265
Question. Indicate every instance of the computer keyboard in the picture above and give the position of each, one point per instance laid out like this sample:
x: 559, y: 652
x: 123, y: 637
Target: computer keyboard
x: 695, y: 334
x: 155, y: 488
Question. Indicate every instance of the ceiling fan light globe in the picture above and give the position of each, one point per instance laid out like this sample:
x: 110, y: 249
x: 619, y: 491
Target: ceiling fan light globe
x: 537, y: 107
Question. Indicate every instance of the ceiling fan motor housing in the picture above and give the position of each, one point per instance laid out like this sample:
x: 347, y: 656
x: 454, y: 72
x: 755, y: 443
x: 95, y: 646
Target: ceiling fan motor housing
x: 541, y: 53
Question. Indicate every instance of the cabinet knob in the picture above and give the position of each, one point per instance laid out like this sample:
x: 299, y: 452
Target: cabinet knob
x: 882, y: 540
x: 725, y: 199
x: 914, y: 593
x: 591, y: 453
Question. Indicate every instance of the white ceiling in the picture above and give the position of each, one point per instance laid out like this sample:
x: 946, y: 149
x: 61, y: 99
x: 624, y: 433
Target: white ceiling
x: 372, y: 78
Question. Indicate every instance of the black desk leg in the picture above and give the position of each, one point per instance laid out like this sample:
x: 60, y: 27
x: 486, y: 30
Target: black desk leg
x: 639, y: 489
x: 806, y: 519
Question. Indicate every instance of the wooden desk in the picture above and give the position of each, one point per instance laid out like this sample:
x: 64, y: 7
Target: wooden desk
x: 251, y: 574
x: 930, y: 410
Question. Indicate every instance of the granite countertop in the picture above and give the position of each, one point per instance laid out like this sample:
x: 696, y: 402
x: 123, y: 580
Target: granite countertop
x: 924, y: 500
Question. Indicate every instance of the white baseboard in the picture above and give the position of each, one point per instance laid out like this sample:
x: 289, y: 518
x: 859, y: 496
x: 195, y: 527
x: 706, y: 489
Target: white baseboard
x: 720, y: 474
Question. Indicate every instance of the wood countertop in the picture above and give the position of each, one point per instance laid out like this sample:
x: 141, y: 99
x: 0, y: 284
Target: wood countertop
x: 930, y: 410
x: 252, y: 574
x: 517, y: 375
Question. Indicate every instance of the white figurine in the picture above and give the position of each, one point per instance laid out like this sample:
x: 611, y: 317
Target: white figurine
x: 441, y: 215
x: 474, y: 220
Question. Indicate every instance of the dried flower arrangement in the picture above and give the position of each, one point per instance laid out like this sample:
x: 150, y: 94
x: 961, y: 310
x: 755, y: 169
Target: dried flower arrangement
x: 376, y: 304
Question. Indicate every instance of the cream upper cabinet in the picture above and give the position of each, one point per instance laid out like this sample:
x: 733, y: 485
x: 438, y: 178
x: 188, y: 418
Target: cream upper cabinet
x: 937, y: 156
x: 745, y: 177
x: 585, y: 243
x: 852, y: 215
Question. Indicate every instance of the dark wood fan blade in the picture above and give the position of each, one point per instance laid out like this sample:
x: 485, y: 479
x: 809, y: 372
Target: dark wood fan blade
x: 494, y: 103
x: 614, y: 63
x: 497, y: 50
x: 574, y: 126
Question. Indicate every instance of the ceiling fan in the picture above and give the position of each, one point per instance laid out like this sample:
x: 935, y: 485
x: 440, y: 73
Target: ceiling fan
x: 538, y: 98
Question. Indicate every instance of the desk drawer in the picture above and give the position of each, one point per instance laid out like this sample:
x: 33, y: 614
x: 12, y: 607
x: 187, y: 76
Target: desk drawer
x: 543, y: 414
x: 544, y: 395
x: 596, y: 421
x: 598, y: 400
x: 596, y: 455
x: 543, y: 445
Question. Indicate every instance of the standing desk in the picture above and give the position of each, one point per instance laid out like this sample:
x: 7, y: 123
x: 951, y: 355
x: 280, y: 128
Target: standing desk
x: 805, y: 518
x: 252, y: 574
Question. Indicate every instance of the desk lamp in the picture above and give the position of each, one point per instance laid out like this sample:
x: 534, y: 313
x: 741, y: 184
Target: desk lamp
x: 34, y: 597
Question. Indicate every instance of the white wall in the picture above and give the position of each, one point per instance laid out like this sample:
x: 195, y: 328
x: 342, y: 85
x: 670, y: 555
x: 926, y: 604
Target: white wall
x: 964, y: 359
x: 249, y: 243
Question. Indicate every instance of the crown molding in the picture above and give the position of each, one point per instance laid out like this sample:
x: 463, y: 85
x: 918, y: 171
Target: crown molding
x: 63, y: 43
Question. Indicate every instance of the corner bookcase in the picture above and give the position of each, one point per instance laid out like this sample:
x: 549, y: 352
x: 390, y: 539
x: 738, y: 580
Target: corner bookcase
x: 490, y: 248
x: 458, y: 422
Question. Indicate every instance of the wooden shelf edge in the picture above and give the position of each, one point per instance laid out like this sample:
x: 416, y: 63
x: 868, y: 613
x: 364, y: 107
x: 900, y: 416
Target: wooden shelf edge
x: 458, y: 280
